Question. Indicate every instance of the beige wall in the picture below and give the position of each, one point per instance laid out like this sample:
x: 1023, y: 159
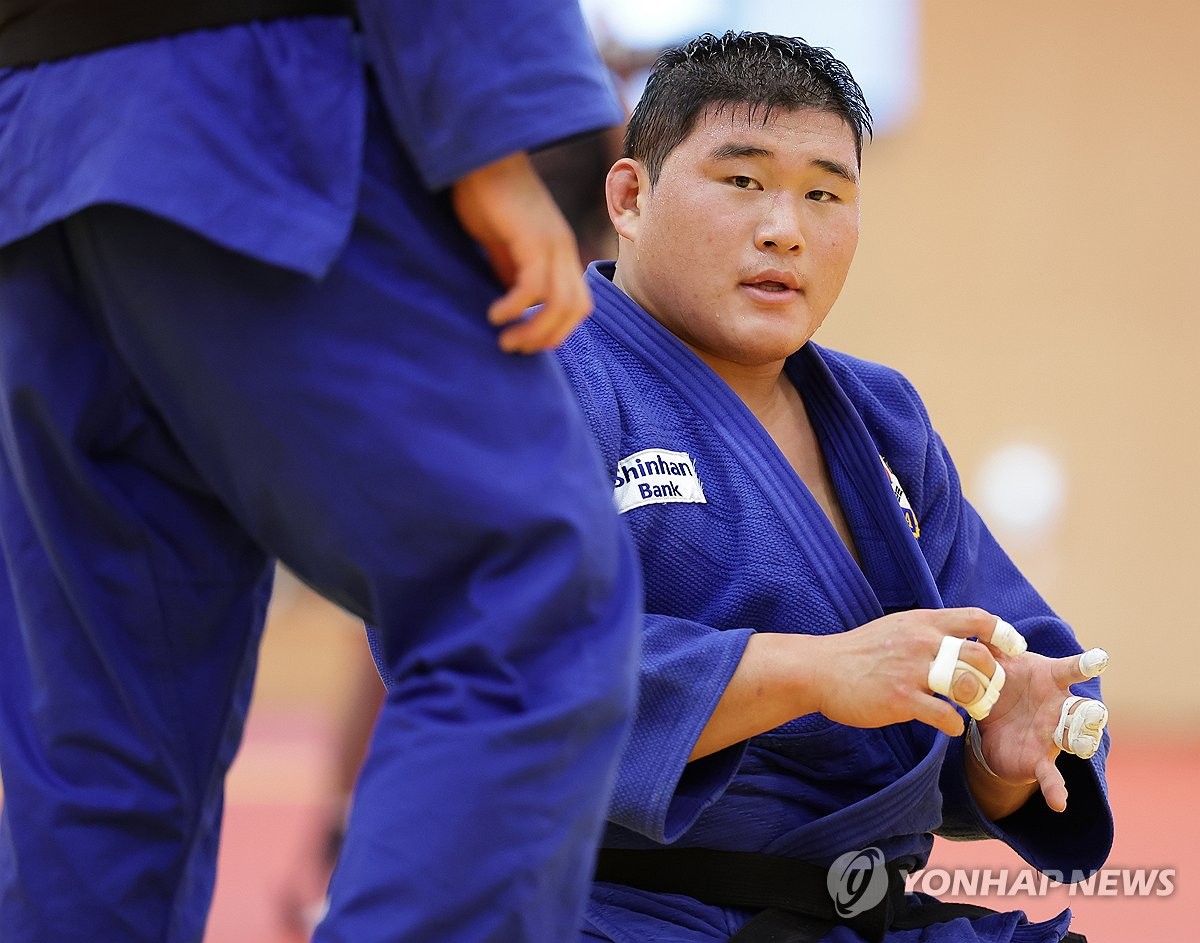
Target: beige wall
x: 1031, y: 242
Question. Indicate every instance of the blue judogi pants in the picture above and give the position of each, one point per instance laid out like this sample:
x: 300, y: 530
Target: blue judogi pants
x: 173, y: 418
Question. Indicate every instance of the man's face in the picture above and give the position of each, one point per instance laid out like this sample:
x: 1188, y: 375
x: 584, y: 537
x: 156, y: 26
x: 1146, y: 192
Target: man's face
x: 743, y: 244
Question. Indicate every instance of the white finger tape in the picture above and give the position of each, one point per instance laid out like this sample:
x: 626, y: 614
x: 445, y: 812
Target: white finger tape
x: 1079, y: 730
x: 941, y: 669
x: 982, y: 705
x: 1008, y: 639
x: 1093, y: 662
x: 947, y: 663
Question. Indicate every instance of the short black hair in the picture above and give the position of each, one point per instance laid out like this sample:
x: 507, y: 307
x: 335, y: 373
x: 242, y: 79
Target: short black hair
x: 761, y: 70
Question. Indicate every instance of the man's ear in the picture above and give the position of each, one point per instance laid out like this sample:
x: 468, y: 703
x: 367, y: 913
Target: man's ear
x: 625, y: 189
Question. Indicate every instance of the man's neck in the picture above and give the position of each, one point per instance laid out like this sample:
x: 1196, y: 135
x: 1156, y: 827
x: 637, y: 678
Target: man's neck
x: 763, y: 388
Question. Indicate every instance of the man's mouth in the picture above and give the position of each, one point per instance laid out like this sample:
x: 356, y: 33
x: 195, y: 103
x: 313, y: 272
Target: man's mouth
x: 773, y: 281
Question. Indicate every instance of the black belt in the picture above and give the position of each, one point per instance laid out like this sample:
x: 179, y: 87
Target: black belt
x: 792, y: 895
x: 33, y: 31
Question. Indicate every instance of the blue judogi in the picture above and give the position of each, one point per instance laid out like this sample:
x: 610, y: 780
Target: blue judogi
x: 748, y: 549
x: 239, y: 322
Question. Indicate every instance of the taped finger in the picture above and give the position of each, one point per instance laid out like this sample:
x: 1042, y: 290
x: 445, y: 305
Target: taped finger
x: 982, y: 705
x: 1006, y: 638
x: 1080, y: 726
x: 941, y: 669
x: 1093, y: 662
x: 946, y: 667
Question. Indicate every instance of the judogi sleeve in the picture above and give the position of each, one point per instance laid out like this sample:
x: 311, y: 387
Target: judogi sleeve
x: 972, y: 569
x: 467, y: 82
x: 685, y: 668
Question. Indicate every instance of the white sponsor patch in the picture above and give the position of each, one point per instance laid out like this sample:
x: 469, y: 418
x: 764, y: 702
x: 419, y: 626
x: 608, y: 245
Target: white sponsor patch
x: 656, y: 476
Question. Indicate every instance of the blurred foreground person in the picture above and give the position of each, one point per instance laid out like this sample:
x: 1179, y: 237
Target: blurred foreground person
x: 263, y: 270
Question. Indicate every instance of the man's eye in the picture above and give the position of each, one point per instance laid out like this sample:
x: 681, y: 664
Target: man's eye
x: 745, y: 183
x: 821, y: 196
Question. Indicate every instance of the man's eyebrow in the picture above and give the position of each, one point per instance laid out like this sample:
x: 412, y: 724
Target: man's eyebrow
x: 732, y: 151
x: 837, y: 168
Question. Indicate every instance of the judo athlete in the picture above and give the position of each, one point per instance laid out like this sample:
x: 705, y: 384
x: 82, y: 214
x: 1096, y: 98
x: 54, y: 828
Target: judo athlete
x: 812, y: 571
x: 242, y: 318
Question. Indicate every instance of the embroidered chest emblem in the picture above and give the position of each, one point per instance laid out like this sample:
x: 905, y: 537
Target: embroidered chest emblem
x: 910, y: 516
x: 656, y: 476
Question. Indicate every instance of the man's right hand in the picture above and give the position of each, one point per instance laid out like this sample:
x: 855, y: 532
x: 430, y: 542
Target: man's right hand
x: 871, y: 676
x: 878, y: 673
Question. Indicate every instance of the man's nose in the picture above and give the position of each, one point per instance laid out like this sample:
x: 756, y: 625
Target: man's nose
x: 781, y: 229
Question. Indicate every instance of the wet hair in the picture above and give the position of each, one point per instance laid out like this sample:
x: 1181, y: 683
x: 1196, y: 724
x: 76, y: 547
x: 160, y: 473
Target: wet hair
x: 764, y: 71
